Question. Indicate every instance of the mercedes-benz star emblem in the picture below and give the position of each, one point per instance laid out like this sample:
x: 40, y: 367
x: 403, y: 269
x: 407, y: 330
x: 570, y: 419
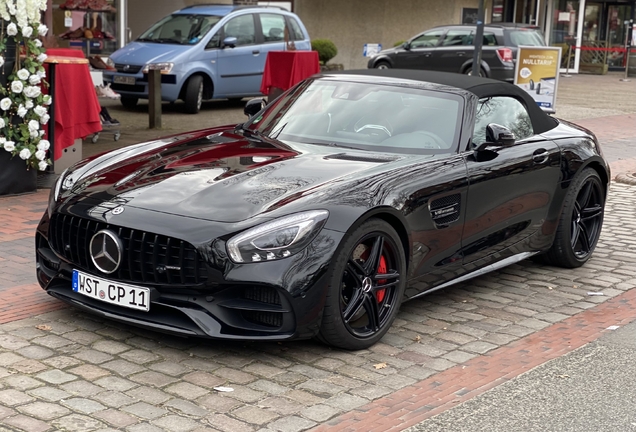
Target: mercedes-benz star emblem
x: 118, y: 210
x: 106, y: 251
x: 367, y: 284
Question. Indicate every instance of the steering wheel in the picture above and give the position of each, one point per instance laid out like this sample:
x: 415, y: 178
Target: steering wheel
x: 437, y: 142
x: 382, y: 129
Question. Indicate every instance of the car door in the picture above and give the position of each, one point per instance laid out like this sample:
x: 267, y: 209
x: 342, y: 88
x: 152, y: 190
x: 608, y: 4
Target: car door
x: 510, y: 188
x: 455, y: 49
x: 419, y: 51
x: 240, y: 68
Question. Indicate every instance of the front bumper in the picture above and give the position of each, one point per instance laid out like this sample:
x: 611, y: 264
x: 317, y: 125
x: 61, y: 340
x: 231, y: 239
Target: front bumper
x: 170, y: 85
x: 277, y: 300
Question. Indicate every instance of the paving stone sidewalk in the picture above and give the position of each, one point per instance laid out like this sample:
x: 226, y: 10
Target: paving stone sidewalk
x: 66, y: 370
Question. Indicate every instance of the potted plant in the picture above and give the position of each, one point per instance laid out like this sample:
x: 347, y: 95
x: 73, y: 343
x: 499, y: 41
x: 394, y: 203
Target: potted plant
x: 326, y: 51
x: 23, y: 106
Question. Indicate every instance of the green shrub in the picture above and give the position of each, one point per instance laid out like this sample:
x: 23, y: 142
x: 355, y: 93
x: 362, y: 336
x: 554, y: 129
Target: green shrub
x: 398, y: 43
x: 326, y: 49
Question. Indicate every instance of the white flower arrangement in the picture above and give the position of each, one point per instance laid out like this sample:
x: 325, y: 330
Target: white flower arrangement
x: 23, y: 107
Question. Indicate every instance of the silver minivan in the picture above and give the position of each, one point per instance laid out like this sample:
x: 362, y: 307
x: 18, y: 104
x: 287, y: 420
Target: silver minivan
x: 205, y: 52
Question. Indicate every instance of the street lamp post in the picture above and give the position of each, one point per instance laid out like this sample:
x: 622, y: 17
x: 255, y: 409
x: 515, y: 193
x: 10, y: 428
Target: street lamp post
x: 479, y: 39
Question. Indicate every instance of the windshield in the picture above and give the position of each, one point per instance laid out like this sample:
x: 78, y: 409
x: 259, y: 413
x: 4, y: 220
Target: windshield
x: 180, y: 29
x: 526, y: 38
x: 364, y: 116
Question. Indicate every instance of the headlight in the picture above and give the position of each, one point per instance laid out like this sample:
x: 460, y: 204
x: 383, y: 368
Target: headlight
x: 280, y: 238
x: 110, y: 62
x: 165, y: 68
x: 59, y: 183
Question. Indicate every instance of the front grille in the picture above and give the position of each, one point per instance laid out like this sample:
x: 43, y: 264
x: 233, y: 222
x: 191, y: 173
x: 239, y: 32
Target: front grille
x: 147, y: 257
x: 127, y: 69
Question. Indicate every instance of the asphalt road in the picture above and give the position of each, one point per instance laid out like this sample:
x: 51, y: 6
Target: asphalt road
x: 590, y: 389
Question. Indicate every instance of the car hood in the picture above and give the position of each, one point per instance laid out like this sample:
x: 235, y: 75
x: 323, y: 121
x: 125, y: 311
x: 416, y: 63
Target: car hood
x: 218, y: 175
x: 142, y: 53
x: 390, y: 50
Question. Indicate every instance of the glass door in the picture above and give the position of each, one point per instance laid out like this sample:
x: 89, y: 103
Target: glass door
x: 617, y: 29
x: 564, y: 30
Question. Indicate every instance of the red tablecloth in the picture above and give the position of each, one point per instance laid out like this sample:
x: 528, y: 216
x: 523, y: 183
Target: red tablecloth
x: 283, y: 69
x: 76, y: 105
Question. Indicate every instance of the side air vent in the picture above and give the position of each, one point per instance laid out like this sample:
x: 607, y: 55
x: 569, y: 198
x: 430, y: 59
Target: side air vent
x: 446, y: 210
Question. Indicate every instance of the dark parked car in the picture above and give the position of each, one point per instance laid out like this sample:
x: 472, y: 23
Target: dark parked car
x: 450, y: 49
x: 319, y: 216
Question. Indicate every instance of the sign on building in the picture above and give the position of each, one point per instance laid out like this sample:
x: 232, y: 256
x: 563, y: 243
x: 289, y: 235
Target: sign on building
x: 371, y: 49
x: 537, y: 72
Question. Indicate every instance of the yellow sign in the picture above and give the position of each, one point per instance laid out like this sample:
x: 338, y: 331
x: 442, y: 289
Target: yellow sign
x: 537, y: 72
x: 68, y: 14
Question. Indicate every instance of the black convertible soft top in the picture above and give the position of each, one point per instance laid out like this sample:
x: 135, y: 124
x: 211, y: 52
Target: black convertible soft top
x: 482, y: 87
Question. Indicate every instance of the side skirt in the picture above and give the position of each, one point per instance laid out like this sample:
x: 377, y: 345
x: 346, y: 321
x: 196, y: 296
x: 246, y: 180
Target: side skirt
x: 487, y: 269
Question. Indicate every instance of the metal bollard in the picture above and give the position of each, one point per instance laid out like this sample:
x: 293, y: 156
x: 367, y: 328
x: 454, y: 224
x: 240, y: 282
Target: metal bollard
x: 154, y: 98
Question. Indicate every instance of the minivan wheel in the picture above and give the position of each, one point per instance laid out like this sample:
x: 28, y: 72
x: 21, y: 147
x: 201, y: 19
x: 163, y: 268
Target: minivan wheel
x: 194, y: 95
x: 129, y: 102
x: 469, y: 71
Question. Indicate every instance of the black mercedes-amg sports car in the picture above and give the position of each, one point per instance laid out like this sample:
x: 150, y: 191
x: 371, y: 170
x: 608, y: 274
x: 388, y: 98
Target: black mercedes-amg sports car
x: 328, y: 208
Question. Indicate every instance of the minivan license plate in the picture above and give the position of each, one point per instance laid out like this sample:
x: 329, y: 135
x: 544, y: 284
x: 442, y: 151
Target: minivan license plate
x: 124, y: 80
x: 111, y: 292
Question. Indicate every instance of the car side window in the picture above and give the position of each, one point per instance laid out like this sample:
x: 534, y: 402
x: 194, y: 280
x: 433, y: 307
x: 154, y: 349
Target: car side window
x: 295, y: 33
x: 489, y: 39
x: 428, y: 39
x: 242, y: 28
x: 457, y: 38
x: 505, y: 111
x: 273, y: 26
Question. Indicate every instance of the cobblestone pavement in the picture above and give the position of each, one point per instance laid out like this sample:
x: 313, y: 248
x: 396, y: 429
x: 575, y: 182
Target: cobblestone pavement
x: 65, y: 370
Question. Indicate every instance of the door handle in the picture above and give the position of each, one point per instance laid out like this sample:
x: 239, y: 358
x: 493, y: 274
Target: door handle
x: 540, y: 156
x: 427, y: 55
x: 256, y: 52
x: 461, y: 54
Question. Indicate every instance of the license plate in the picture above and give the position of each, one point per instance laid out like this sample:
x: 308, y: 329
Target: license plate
x: 111, y: 292
x: 124, y: 80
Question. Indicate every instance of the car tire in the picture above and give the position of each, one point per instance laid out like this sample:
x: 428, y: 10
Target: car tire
x: 382, y: 65
x: 469, y: 71
x: 129, y: 102
x: 360, y: 307
x: 580, y: 224
x: 194, y: 94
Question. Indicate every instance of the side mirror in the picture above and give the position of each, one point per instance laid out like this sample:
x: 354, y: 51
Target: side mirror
x: 406, y: 46
x: 253, y: 106
x: 497, y: 136
x: 230, y: 41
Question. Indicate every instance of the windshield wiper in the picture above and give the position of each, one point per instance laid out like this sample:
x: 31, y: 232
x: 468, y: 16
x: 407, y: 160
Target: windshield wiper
x: 160, y: 40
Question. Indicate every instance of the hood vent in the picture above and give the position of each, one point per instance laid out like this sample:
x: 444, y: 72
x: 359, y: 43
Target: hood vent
x: 359, y: 158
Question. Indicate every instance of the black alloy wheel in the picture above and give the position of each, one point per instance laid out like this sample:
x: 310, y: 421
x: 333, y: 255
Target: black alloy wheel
x: 580, y: 224
x: 587, y: 219
x: 367, y: 287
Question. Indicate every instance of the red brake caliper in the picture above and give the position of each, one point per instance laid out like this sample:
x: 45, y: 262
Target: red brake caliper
x: 382, y: 270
